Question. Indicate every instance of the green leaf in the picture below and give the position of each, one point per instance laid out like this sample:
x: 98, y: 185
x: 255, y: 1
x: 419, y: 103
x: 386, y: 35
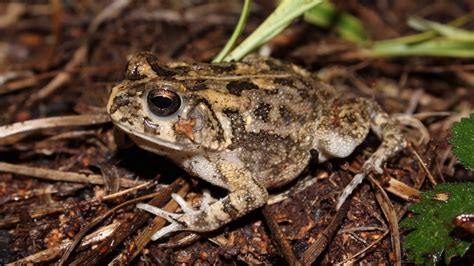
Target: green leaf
x: 347, y: 26
x: 463, y: 141
x: 432, y: 223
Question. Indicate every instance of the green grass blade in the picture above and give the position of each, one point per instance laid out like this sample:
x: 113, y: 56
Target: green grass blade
x: 347, y: 26
x: 235, y: 35
x: 281, y: 17
x: 434, y: 47
x: 416, y: 38
x: 321, y: 15
x: 447, y: 31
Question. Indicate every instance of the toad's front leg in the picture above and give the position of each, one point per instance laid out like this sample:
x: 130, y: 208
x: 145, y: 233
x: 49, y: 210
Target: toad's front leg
x: 346, y: 125
x: 246, y: 194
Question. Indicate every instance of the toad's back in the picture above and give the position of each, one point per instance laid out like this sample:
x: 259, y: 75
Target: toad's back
x: 271, y: 107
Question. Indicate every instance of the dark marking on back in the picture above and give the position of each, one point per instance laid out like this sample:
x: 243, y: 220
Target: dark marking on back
x: 237, y: 86
x: 286, y: 114
x: 304, y: 92
x: 223, y: 68
x: 133, y: 74
x: 181, y: 69
x: 238, y: 129
x: 275, y: 64
x: 159, y: 70
x: 284, y: 82
x: 262, y: 111
x: 198, y: 85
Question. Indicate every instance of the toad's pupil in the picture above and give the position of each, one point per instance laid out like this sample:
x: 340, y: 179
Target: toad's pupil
x: 163, y: 102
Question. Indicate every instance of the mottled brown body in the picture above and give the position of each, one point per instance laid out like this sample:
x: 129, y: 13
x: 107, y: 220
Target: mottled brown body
x: 245, y: 126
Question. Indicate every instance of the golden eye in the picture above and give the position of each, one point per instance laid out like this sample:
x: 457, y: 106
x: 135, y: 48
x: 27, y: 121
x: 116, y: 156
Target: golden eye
x: 163, y: 102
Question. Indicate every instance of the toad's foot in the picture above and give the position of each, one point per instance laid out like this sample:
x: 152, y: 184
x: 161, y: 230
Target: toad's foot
x: 177, y: 221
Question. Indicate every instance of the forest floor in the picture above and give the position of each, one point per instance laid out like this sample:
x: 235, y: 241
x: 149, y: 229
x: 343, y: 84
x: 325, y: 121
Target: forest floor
x: 61, y: 58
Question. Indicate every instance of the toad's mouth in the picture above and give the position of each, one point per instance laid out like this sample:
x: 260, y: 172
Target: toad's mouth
x: 148, y: 142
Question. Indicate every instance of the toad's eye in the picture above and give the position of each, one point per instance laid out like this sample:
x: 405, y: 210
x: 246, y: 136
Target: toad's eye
x: 163, y: 102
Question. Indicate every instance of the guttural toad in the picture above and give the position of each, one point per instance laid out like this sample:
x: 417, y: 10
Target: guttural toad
x: 244, y: 126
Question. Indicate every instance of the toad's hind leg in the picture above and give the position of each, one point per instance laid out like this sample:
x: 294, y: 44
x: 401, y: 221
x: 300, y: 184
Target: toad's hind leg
x: 385, y: 127
x: 246, y: 194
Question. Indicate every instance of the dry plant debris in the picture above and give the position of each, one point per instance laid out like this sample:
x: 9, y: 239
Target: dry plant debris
x: 63, y: 180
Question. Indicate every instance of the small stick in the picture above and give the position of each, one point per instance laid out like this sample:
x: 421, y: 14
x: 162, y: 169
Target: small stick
x: 391, y: 215
x: 57, y: 175
x: 96, y: 221
x: 50, y: 122
x: 313, y: 252
x: 278, y: 235
x: 51, y: 253
x: 126, y: 228
x: 50, y: 209
x: 138, y: 243
x: 349, y: 261
x: 423, y: 165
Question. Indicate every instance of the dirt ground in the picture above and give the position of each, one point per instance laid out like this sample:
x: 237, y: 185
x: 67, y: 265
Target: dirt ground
x: 61, y: 58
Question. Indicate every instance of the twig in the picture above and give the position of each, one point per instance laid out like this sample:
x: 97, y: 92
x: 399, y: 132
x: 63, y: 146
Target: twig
x: 12, y: 14
x: 51, y: 253
x: 128, y: 227
x: 349, y: 261
x: 361, y: 229
x: 144, y: 237
x: 109, y: 12
x: 8, y: 132
x: 301, y: 185
x: 313, y: 252
x: 62, y: 78
x: 279, y: 236
x: 425, y: 115
x: 57, y: 175
x: 423, y: 165
x: 391, y: 216
x: 57, y: 18
x: 96, y: 221
x: 414, y: 101
x: 36, y: 213
x: 410, y: 120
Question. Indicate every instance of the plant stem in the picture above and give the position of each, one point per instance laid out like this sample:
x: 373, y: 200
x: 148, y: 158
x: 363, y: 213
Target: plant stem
x: 235, y: 35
